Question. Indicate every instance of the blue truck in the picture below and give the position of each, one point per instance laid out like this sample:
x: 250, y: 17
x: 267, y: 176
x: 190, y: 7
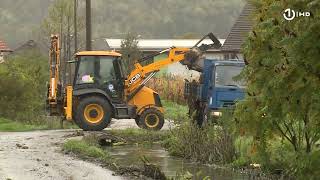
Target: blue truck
x: 216, y: 89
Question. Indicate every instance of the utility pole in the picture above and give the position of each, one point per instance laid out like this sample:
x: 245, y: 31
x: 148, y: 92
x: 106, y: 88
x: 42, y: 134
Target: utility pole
x: 88, y: 25
x: 75, y: 5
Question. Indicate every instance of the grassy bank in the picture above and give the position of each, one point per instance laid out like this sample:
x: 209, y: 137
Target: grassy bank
x: 7, y: 125
x: 11, y: 126
x: 86, y: 150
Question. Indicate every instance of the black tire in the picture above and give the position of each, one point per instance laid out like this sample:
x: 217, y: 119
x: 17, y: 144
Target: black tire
x: 89, y: 116
x: 151, y: 119
x: 137, y: 119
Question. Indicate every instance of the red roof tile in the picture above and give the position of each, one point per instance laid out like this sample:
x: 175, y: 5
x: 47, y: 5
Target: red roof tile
x: 4, y: 47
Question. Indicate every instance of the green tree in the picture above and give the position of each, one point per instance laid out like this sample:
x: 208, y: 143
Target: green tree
x: 283, y: 77
x: 130, y: 51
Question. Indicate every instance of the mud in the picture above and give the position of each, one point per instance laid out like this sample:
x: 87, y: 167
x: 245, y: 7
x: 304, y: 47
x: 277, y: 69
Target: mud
x: 37, y: 155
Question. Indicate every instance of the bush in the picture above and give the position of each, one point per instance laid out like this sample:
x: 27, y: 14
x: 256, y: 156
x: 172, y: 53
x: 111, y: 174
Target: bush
x: 23, y: 87
x: 210, y: 144
x: 306, y: 166
x: 243, y: 148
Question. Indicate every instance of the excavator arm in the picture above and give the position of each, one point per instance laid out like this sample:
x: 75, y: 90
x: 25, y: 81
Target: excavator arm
x: 187, y: 56
x: 58, y: 103
x: 54, y: 64
x: 140, y: 73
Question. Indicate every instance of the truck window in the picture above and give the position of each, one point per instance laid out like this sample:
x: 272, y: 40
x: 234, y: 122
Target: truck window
x: 224, y: 75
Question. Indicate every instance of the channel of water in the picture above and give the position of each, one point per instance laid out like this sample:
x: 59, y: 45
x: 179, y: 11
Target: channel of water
x: 170, y: 165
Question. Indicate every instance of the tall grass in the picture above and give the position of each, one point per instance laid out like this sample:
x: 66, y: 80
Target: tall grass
x: 170, y: 87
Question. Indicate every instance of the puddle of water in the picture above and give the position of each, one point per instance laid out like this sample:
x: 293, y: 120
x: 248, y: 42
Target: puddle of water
x: 131, y: 154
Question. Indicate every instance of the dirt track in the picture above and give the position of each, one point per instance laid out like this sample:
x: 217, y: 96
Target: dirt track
x: 37, y: 155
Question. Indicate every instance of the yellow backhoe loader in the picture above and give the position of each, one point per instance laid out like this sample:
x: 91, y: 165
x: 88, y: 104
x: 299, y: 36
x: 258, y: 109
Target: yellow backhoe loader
x: 101, y: 91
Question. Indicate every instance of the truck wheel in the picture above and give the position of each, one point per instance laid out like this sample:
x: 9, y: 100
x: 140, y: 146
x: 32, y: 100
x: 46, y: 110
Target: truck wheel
x: 151, y: 119
x: 93, y: 114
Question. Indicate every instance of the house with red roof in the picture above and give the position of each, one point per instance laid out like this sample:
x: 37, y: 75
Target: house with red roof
x: 4, y: 50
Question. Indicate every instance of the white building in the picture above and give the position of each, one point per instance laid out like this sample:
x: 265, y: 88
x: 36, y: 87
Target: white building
x: 151, y: 46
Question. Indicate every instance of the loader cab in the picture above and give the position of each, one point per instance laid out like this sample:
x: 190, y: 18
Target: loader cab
x: 99, y: 72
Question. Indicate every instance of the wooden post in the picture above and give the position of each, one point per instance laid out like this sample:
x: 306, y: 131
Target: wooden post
x: 88, y: 25
x: 75, y: 6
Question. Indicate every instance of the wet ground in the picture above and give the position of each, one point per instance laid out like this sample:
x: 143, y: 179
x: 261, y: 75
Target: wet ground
x: 37, y: 155
x: 171, y: 166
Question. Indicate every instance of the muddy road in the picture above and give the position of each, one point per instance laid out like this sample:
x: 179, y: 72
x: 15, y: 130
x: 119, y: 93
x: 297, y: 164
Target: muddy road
x: 37, y: 155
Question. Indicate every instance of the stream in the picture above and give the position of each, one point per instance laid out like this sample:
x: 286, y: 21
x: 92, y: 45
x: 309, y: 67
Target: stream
x: 170, y: 165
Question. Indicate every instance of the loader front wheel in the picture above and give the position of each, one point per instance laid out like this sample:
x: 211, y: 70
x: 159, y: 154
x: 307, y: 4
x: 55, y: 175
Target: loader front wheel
x: 93, y: 113
x: 151, y: 119
x: 138, y: 122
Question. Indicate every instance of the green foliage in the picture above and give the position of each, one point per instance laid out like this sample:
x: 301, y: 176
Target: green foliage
x: 307, y: 166
x: 23, y: 95
x: 14, y: 126
x: 173, y: 111
x: 243, y: 148
x: 210, y: 144
x: 84, y: 149
x: 283, y: 102
x: 130, y: 52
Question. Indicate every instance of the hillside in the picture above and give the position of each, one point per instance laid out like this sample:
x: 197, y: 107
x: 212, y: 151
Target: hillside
x: 113, y: 18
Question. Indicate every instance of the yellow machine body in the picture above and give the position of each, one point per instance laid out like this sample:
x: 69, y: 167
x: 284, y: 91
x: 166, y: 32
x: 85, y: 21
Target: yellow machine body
x: 54, y: 61
x: 145, y: 99
x: 85, y: 101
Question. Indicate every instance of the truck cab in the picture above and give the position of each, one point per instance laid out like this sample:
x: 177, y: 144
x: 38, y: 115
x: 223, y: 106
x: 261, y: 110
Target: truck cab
x: 218, y: 88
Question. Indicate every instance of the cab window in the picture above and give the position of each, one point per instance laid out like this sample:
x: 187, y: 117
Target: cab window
x: 95, y: 70
x: 106, y: 70
x: 86, y: 70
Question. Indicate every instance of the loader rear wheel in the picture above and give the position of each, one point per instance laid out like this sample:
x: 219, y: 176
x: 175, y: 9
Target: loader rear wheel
x: 93, y: 114
x: 151, y: 119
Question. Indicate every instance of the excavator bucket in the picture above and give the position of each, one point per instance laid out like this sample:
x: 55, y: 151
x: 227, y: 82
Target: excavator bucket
x: 194, y: 59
